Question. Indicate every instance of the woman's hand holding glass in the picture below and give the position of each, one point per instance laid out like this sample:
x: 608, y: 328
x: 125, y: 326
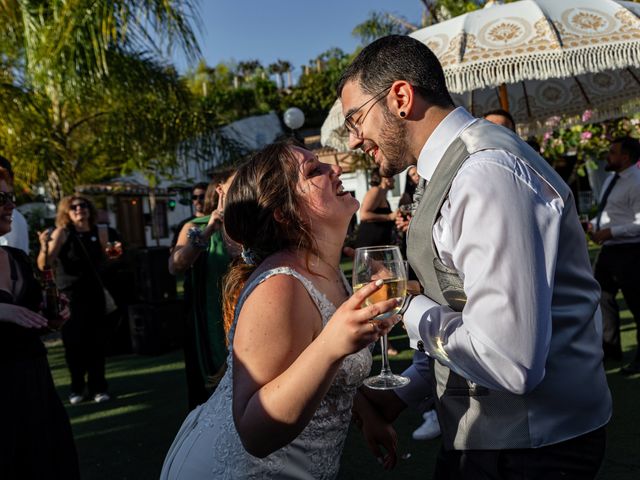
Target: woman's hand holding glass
x: 354, y: 326
x: 383, y: 264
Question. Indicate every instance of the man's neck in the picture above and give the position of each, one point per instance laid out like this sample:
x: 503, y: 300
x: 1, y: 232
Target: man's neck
x: 421, y: 130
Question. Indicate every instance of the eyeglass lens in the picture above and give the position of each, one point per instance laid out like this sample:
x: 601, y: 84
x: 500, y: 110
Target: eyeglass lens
x: 197, y: 197
x: 76, y: 206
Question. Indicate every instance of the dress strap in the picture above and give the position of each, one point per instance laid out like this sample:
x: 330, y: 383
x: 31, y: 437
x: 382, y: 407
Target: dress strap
x: 318, y: 298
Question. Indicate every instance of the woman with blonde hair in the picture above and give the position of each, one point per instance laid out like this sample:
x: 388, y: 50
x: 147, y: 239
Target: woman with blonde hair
x: 76, y: 251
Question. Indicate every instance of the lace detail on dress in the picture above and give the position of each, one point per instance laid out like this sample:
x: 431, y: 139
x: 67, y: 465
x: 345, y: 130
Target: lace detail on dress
x: 208, y: 440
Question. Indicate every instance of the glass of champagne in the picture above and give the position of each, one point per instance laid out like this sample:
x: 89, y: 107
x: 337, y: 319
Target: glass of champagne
x: 386, y: 263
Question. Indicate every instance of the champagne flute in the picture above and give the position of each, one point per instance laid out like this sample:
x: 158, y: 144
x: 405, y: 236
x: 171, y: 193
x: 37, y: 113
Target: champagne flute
x: 386, y: 263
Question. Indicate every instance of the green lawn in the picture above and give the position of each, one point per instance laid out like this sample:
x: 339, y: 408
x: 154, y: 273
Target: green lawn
x: 128, y: 437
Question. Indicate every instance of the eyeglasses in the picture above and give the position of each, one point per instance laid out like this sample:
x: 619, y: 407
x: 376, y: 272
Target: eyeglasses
x: 197, y: 197
x: 77, y: 206
x: 354, y: 127
x: 7, y: 197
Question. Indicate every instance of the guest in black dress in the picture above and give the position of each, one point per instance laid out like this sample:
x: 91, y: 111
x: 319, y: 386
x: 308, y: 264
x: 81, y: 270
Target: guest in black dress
x: 35, y: 437
x: 377, y: 221
x: 76, y: 249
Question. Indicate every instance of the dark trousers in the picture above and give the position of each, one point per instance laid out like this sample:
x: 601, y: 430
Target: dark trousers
x: 576, y: 459
x: 36, y: 441
x: 196, y: 392
x: 618, y: 269
x: 86, y: 359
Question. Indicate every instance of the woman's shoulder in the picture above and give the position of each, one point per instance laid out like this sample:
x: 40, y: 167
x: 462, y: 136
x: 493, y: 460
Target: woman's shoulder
x: 281, y: 276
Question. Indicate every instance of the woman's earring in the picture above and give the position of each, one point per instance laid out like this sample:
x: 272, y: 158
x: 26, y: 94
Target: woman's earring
x: 402, y: 114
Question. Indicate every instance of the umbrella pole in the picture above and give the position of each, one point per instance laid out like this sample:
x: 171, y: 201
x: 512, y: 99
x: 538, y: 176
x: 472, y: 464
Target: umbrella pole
x: 503, y: 97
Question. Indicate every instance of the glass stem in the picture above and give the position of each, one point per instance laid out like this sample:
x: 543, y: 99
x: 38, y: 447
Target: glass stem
x: 386, y: 369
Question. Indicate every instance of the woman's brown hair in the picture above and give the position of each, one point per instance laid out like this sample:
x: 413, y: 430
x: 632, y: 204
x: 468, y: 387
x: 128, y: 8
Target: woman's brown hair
x: 264, y: 188
x: 62, y: 216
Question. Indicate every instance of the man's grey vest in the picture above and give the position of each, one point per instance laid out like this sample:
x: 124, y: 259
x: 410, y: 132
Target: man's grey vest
x: 472, y: 416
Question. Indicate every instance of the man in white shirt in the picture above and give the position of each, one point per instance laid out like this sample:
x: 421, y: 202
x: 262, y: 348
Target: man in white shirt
x: 617, y: 228
x: 18, y: 237
x: 510, y: 311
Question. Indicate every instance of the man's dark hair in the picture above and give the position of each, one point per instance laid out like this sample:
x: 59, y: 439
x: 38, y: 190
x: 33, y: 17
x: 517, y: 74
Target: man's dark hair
x: 398, y: 57
x: 502, y: 113
x: 6, y: 164
x: 200, y: 186
x: 629, y: 146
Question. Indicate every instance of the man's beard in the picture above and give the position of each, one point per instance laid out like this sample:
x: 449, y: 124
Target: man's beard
x: 393, y: 144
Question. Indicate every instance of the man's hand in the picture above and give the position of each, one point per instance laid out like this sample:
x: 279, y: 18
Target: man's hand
x: 601, y: 236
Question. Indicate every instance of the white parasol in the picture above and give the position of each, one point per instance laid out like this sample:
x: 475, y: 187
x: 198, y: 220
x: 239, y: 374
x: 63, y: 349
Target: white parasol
x: 541, y: 58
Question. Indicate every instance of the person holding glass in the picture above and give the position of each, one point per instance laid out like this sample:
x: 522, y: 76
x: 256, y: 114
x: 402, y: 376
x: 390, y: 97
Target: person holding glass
x: 36, y: 440
x: 509, y: 310
x: 78, y: 251
x: 203, y: 253
x: 298, y: 339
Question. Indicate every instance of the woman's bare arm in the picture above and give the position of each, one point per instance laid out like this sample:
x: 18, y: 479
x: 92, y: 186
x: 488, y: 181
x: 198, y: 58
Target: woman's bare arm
x: 374, y: 197
x: 284, y: 363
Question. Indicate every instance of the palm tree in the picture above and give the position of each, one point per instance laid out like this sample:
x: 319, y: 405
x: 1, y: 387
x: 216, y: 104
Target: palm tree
x: 78, y: 98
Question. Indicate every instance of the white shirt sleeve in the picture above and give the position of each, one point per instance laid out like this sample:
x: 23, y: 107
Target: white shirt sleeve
x: 499, y: 229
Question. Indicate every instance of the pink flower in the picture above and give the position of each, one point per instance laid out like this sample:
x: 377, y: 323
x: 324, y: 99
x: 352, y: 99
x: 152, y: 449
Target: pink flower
x: 553, y: 121
x: 586, y: 115
x: 586, y: 135
x: 547, y: 135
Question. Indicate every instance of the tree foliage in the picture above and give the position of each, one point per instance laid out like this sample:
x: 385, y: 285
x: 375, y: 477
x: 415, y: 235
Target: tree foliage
x: 83, y: 96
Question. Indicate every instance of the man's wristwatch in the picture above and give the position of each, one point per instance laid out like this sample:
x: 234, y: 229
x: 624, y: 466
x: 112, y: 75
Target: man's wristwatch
x: 196, y: 240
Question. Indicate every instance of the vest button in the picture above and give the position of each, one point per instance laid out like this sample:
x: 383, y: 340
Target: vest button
x: 420, y: 346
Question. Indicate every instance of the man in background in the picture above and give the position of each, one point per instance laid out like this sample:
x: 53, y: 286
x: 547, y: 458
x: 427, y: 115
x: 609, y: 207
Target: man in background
x: 18, y: 237
x: 617, y: 228
x: 501, y: 117
x: 197, y: 200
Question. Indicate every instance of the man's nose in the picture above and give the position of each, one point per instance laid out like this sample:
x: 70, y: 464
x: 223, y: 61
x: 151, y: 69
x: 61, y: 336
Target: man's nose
x: 354, y: 141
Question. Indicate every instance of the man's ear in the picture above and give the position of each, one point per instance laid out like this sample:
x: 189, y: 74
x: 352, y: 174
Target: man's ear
x: 402, y: 97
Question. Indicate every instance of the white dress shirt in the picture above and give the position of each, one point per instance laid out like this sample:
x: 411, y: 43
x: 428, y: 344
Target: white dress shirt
x: 622, y: 211
x: 18, y: 237
x: 502, y: 338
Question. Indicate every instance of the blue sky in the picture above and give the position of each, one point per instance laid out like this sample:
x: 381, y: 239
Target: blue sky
x: 292, y: 30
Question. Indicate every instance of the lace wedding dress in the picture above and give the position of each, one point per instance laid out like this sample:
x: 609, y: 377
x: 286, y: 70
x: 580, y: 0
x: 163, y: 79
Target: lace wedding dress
x: 208, y: 447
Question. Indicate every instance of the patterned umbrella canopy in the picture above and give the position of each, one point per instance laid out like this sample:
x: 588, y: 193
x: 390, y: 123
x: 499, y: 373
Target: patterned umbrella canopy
x: 545, y: 57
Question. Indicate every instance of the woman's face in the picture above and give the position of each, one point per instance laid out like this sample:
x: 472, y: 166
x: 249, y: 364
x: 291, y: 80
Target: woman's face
x: 321, y: 188
x: 413, y: 175
x: 79, y: 210
x: 388, y: 183
x: 6, y: 208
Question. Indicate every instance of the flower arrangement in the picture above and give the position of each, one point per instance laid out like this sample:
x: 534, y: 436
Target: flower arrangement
x: 588, y: 142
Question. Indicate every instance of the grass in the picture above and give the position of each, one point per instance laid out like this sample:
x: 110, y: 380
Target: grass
x: 128, y: 437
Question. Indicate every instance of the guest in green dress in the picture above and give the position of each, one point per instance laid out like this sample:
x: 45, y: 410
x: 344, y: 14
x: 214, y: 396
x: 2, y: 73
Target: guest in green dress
x: 203, y: 253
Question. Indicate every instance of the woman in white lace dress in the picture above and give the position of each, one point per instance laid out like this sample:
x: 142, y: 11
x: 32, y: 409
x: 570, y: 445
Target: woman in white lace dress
x: 295, y: 362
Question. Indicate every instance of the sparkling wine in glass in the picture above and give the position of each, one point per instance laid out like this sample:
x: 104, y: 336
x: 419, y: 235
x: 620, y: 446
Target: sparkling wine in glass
x: 385, y: 263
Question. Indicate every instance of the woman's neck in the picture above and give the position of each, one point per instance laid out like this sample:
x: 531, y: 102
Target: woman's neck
x: 82, y: 226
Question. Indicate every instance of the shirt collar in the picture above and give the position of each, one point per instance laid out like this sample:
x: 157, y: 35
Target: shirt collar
x: 442, y: 137
x: 627, y: 172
